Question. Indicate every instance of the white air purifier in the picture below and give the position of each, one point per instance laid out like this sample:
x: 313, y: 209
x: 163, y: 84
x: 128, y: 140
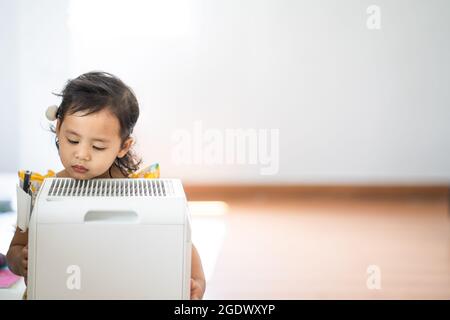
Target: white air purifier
x: 109, y: 239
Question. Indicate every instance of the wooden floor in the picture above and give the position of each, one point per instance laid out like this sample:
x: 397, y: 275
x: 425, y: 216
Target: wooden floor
x: 320, y: 247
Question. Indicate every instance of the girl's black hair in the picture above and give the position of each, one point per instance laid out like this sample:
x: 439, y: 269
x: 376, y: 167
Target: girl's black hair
x: 94, y: 91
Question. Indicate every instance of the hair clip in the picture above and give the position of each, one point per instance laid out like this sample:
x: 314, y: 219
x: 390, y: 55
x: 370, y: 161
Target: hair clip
x: 51, y: 112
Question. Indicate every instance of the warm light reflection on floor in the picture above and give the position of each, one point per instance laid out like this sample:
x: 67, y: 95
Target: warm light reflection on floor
x: 208, y: 208
x: 208, y: 231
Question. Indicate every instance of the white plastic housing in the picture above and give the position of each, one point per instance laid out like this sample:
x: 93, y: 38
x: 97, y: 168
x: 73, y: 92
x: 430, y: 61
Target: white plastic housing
x: 110, y: 239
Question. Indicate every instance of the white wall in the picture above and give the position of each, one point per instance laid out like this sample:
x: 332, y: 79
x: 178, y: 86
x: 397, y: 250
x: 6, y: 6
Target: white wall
x: 351, y: 104
x: 35, y: 57
x: 43, y: 69
x: 9, y: 85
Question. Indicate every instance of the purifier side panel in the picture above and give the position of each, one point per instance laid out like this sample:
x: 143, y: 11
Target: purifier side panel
x: 107, y: 261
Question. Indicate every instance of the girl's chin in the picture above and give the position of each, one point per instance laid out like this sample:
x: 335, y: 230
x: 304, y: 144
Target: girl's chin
x: 81, y: 176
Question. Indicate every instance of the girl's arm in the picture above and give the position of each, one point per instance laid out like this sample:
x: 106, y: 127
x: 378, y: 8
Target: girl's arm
x: 198, y: 283
x: 17, y: 255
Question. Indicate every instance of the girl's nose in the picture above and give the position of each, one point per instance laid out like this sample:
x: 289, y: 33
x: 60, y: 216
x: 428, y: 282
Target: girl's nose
x: 83, y: 154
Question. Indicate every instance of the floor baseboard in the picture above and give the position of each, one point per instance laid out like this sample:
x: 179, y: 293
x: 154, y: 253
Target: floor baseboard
x: 206, y: 192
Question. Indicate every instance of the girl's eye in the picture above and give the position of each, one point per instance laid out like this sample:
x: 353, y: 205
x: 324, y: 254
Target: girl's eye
x: 75, y: 142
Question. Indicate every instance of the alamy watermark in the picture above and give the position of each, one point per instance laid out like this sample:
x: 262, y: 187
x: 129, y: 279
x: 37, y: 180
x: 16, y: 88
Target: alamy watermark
x: 374, y: 279
x: 227, y: 147
x: 73, y: 281
x: 374, y: 18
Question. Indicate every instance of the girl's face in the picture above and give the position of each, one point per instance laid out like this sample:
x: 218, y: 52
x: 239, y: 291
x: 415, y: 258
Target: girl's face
x: 89, y: 144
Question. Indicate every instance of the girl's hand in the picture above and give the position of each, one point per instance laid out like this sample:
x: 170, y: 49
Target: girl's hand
x: 24, y: 262
x: 196, y: 290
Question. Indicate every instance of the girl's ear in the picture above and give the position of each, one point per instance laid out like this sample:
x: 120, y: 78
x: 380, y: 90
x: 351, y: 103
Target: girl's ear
x: 126, y: 146
x: 58, y: 126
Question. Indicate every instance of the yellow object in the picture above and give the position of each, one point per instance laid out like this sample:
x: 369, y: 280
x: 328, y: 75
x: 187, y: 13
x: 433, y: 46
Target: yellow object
x: 150, y: 172
x: 36, y: 176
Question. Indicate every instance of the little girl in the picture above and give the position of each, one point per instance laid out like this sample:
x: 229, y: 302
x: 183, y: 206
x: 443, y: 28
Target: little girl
x: 93, y: 136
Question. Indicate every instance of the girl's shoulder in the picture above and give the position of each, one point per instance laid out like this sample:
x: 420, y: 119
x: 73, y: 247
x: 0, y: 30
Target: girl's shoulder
x: 148, y: 172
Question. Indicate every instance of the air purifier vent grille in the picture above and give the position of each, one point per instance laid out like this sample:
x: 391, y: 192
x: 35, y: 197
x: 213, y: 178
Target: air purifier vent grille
x: 111, y: 188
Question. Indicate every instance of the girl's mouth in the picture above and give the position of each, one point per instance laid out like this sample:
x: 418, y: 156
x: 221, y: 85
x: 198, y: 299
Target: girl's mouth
x: 79, y: 169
